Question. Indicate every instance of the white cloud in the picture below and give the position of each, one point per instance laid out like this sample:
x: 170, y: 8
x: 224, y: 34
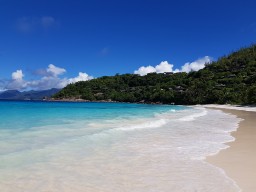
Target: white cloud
x: 55, y: 71
x: 17, y: 75
x: 51, y: 70
x: 164, y: 66
x: 196, y: 65
x: 46, y: 82
x: 81, y: 77
x: 50, y: 79
x: 17, y: 81
x: 11, y: 85
x: 145, y: 70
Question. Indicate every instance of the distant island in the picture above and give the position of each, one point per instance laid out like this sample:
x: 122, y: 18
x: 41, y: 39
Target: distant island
x: 231, y: 79
x: 27, y: 95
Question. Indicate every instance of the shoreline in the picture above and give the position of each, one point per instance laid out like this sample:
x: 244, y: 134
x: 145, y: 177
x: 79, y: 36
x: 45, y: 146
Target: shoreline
x: 88, y: 101
x: 238, y: 161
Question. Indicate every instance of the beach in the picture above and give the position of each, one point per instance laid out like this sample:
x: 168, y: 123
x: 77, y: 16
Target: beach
x: 74, y: 146
x: 239, y: 160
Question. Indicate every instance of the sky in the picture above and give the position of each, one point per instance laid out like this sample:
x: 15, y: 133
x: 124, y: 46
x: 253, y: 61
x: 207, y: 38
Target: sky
x: 48, y: 44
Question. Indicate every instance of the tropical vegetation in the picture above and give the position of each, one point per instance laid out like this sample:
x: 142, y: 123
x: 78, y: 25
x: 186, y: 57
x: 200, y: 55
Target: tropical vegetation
x: 230, y: 79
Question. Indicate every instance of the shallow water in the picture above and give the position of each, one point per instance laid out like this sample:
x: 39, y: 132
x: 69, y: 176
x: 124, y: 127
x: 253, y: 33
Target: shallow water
x: 67, y: 147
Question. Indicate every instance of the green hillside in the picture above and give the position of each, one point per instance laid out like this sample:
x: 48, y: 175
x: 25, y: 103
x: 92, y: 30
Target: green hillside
x: 231, y: 79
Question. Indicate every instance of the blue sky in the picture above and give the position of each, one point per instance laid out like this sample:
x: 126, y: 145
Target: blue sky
x: 46, y: 44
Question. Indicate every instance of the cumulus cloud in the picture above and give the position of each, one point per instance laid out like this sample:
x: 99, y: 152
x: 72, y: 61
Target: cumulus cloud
x: 50, y: 79
x: 164, y: 66
x: 47, y: 82
x: 196, y: 65
x: 52, y: 70
x: 81, y: 77
x: 17, y: 81
x: 17, y: 75
x: 145, y: 70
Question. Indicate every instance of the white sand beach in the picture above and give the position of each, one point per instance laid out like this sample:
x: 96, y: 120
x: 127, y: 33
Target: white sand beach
x: 239, y: 160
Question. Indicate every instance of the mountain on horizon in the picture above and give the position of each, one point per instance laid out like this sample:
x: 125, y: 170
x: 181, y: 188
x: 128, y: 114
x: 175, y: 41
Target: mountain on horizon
x: 28, y: 95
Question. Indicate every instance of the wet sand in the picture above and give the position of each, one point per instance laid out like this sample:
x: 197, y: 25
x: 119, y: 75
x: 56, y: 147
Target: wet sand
x: 239, y: 160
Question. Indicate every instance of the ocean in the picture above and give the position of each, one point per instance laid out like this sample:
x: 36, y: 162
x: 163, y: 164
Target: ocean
x: 107, y: 147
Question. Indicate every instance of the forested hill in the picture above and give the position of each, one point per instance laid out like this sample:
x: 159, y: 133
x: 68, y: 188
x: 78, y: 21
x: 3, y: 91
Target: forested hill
x: 231, y: 79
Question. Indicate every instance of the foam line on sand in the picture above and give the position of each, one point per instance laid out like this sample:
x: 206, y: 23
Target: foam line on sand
x: 239, y: 160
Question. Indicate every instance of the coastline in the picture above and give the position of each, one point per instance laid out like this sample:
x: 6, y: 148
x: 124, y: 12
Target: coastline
x: 105, y: 101
x: 238, y: 161
x: 155, y: 149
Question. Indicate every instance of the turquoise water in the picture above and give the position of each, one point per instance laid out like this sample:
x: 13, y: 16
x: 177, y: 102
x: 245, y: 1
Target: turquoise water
x: 69, y: 146
x: 26, y: 115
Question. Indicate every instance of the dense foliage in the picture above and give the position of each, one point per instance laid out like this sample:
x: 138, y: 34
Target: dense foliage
x: 231, y: 79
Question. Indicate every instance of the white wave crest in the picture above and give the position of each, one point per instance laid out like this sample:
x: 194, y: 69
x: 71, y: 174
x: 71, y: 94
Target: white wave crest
x: 150, y: 124
x: 192, y: 117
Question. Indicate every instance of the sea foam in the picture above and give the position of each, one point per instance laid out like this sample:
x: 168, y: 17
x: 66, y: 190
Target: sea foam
x: 163, y: 150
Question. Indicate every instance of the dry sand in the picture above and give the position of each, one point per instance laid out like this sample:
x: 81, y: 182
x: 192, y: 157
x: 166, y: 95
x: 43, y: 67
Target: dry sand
x: 239, y: 160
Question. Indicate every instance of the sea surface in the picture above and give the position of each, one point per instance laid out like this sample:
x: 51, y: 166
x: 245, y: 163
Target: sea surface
x: 108, y: 147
